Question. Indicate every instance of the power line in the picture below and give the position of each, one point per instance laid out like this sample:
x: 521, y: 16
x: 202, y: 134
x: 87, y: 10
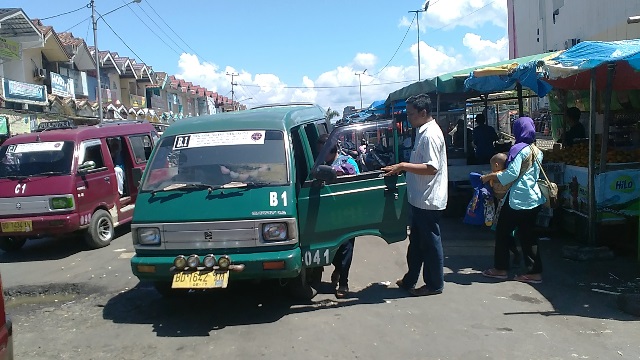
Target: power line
x: 337, y: 87
x: 124, y: 42
x: 170, y: 28
x: 154, y: 33
x: 65, y: 13
x: 159, y: 27
x: 402, y: 42
x: 77, y: 24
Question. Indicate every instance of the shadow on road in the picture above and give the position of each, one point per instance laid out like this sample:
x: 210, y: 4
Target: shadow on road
x: 243, y: 303
x: 573, y: 288
x: 53, y: 248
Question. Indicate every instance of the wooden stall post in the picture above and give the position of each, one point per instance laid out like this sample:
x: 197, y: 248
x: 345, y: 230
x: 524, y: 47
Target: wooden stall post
x: 520, y: 100
x: 607, y: 113
x: 591, y: 169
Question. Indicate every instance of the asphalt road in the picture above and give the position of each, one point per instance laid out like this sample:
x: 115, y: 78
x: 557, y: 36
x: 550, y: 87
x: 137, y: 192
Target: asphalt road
x: 69, y: 303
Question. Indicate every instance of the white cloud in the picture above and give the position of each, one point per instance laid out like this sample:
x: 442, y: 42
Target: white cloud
x: 469, y: 13
x: 340, y: 87
x: 486, y: 51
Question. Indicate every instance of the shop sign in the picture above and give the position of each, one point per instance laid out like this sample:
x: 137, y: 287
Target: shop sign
x: 138, y: 101
x: 158, y: 103
x: 10, y: 50
x: 25, y: 93
x: 58, y: 124
x: 62, y: 86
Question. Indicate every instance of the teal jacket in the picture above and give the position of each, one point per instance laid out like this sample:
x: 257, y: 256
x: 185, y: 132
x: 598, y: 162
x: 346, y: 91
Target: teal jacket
x: 524, y: 193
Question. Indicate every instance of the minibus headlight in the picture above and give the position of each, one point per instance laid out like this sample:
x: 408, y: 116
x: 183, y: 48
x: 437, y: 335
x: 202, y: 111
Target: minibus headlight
x: 61, y: 202
x: 209, y: 261
x: 148, y: 236
x: 274, y: 231
x: 193, y: 261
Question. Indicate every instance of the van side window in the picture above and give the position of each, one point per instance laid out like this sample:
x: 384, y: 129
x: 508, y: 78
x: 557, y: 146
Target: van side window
x: 93, y: 152
x: 141, y: 145
x: 302, y: 169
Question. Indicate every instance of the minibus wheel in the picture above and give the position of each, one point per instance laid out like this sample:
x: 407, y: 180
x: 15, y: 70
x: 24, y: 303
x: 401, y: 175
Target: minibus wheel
x: 100, y: 232
x: 299, y: 288
x: 8, y: 243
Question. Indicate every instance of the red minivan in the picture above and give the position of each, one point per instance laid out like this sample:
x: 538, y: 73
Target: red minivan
x: 6, y: 331
x: 64, y: 179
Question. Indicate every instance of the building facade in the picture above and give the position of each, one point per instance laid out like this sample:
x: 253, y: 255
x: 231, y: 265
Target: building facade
x: 539, y: 26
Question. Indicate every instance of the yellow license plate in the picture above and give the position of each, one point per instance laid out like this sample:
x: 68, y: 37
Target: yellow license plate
x: 200, y: 280
x: 17, y: 226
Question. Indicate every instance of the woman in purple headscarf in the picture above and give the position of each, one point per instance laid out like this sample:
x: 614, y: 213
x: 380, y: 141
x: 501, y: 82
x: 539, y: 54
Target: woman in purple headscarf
x: 521, y: 204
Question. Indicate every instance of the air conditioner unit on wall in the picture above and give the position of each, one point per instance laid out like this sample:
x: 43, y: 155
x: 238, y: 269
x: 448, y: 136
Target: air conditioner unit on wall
x: 571, y: 42
x: 40, y: 73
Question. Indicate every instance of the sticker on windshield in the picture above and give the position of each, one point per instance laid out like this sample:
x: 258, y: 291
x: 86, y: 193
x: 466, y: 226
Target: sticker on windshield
x: 218, y: 139
x: 34, y: 147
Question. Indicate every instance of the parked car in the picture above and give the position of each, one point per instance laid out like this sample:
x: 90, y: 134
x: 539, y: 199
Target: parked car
x: 6, y: 330
x: 65, y: 179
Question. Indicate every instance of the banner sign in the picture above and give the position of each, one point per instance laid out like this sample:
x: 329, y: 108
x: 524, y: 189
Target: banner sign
x: 62, y: 86
x: 25, y: 93
x: 10, y: 50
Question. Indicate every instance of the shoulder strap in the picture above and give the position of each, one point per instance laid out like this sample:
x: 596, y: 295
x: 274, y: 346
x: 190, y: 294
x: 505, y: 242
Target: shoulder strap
x: 541, y: 168
x: 526, y: 164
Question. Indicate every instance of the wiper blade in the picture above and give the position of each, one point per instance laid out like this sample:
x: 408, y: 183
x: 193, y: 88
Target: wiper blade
x: 186, y: 186
x: 17, y: 177
x: 48, y: 173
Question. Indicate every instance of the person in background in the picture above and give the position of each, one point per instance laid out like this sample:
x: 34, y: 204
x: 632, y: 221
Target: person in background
x: 427, y: 190
x: 115, y: 148
x: 344, y: 165
x: 483, y: 138
x: 521, y: 204
x: 576, y: 129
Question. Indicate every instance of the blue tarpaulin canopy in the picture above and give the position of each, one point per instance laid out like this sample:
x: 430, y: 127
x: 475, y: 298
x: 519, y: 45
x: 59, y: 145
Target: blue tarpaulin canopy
x: 570, y: 69
x: 505, y: 77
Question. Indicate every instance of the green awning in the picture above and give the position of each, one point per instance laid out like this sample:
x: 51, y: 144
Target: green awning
x: 453, y: 82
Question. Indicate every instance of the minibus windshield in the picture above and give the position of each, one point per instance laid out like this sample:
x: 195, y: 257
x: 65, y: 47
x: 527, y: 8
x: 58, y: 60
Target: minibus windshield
x: 35, y: 159
x: 218, y: 158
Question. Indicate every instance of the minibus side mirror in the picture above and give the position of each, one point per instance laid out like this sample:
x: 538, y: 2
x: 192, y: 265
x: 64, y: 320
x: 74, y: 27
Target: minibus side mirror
x: 137, y: 176
x: 325, y: 173
x: 86, y: 166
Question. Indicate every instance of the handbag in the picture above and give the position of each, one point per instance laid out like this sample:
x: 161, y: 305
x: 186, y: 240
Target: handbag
x: 548, y: 188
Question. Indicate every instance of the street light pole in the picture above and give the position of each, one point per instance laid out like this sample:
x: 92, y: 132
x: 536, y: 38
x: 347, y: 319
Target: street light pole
x: 360, y: 81
x: 232, y: 85
x: 426, y: 6
x: 94, y: 21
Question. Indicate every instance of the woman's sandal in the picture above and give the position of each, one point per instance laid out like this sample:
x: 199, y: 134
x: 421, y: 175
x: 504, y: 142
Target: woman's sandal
x: 491, y: 273
x: 527, y: 279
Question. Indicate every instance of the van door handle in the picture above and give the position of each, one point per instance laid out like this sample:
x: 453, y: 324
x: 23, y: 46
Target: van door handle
x: 107, y: 179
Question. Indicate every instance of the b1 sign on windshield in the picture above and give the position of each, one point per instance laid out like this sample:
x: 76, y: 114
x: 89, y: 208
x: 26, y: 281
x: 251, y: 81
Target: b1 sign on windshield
x: 34, y: 147
x: 218, y: 139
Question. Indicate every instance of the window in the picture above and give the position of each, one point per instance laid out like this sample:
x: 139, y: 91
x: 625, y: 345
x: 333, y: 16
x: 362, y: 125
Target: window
x: 93, y: 152
x: 141, y: 146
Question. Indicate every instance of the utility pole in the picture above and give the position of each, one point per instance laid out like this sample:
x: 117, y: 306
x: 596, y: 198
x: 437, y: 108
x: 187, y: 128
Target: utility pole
x: 426, y: 6
x: 360, y: 81
x: 232, y: 91
x: 97, y: 57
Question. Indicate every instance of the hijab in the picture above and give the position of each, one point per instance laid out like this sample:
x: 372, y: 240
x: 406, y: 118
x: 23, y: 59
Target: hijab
x: 525, y: 133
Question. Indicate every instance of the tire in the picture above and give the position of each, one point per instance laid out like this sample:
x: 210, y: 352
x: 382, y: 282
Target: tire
x: 10, y: 244
x: 101, y: 231
x: 300, y: 289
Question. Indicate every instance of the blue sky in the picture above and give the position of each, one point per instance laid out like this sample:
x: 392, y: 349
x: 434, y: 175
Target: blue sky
x: 287, y: 50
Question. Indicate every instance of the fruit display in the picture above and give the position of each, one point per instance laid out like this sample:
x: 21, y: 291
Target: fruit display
x: 578, y: 155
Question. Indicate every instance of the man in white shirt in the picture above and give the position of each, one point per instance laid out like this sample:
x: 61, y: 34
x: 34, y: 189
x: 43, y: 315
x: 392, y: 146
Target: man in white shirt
x: 427, y: 189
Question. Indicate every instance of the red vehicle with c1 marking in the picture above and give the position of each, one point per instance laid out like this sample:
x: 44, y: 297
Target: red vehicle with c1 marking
x: 64, y: 179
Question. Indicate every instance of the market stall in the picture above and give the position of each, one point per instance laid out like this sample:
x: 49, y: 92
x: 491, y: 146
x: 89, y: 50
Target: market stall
x: 600, y: 175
